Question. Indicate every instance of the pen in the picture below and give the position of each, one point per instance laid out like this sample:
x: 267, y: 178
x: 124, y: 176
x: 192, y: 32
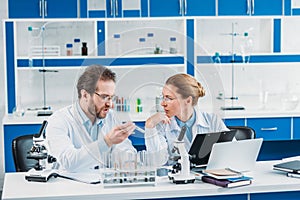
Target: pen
x: 293, y: 175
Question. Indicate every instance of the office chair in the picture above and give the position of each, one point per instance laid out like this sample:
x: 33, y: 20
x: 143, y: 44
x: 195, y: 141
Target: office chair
x: 20, y: 147
x: 243, y: 132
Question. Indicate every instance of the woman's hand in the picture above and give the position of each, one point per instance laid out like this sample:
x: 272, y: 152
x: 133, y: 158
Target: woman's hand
x: 152, y: 121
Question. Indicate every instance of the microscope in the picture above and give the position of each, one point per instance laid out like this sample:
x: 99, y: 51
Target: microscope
x: 182, y: 174
x: 43, y: 169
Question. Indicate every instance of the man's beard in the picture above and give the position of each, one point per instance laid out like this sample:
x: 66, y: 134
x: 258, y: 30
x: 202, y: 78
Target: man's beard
x: 93, y: 111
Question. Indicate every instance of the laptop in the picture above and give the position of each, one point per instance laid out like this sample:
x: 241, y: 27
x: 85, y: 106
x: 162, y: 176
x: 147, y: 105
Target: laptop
x: 237, y: 155
x: 203, y: 143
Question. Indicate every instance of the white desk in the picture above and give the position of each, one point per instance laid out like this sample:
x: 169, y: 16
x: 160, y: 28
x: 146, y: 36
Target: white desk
x: 265, y: 180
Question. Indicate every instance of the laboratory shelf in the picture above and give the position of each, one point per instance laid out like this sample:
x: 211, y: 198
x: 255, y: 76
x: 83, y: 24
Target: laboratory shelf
x: 108, y: 61
x: 265, y: 58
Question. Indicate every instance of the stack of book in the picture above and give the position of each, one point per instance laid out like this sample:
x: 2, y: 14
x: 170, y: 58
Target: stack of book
x: 291, y: 167
x: 225, y: 178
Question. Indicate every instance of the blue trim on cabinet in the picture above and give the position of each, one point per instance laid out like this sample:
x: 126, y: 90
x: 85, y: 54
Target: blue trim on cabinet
x: 144, y: 8
x: 287, y: 7
x: 104, y: 61
x: 83, y: 9
x: 10, y: 66
x: 97, y: 14
x: 190, y: 47
x: 277, y: 36
x: 100, y: 38
x: 296, y: 11
x: 131, y: 13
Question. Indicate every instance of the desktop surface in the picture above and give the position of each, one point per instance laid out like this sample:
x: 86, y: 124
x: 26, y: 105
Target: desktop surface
x: 265, y: 180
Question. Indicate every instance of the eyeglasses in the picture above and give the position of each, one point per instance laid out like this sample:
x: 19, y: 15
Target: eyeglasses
x: 166, y: 99
x: 106, y: 97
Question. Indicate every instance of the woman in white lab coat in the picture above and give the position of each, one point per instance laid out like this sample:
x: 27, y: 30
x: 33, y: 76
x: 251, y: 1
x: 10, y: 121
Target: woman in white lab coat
x: 180, y: 96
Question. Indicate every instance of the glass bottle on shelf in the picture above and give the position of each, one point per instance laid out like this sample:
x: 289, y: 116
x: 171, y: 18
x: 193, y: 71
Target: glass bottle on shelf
x: 77, y: 47
x: 69, y: 49
x: 30, y: 40
x: 173, y: 45
x: 116, y: 47
x: 246, y: 47
x: 84, y: 49
x: 150, y: 42
x: 142, y: 45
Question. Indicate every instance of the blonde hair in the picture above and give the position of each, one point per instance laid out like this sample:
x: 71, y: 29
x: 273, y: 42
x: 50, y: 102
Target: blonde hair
x: 187, y: 86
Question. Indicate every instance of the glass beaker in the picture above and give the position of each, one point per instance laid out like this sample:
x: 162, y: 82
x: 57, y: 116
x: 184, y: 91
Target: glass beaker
x: 19, y: 111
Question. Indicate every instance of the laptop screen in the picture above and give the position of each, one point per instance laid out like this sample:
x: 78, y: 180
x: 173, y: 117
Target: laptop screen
x: 202, y: 145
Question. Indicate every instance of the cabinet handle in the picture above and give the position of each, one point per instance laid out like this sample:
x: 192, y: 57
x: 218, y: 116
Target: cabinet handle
x: 252, y: 7
x: 111, y: 7
x: 180, y: 7
x: 248, y: 7
x: 116, y: 8
x: 40, y: 7
x: 46, y: 12
x: 185, y: 7
x: 269, y: 129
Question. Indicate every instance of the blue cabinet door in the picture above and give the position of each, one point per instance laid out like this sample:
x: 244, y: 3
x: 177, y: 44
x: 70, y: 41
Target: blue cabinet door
x: 291, y: 195
x: 235, y: 122
x: 166, y: 8
x: 24, y: 9
x: 249, y: 7
x: 296, y: 128
x: 200, y: 8
x: 60, y: 9
x: 11, y: 132
x: 42, y: 8
x: 173, y: 8
x: 267, y: 7
x: 271, y: 128
x: 232, y: 7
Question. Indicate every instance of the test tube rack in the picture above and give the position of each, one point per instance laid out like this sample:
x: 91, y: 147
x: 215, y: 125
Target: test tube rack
x: 116, y: 177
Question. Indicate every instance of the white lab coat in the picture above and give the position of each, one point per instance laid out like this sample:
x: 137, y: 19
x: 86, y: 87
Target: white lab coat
x: 71, y: 144
x: 161, y: 138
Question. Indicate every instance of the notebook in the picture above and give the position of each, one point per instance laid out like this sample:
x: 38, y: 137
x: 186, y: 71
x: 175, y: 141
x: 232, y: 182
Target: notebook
x: 237, y: 155
x: 290, y: 166
x: 202, y: 145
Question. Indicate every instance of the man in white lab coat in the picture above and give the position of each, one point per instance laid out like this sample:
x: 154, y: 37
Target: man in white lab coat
x: 81, y: 134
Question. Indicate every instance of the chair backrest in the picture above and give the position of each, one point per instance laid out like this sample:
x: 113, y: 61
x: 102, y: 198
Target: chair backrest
x: 20, y: 147
x: 243, y: 132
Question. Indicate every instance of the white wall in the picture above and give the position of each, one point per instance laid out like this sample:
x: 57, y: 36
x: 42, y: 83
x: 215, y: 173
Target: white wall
x: 3, y: 15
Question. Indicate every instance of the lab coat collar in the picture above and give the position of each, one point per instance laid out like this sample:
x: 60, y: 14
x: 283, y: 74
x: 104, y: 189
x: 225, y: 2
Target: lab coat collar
x: 84, y: 118
x: 200, y: 120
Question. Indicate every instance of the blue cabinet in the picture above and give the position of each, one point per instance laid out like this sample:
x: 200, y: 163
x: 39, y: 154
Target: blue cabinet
x: 249, y: 7
x: 42, y: 9
x: 267, y: 7
x: 276, y: 195
x: 296, y: 128
x: 271, y: 128
x: 234, y: 122
x: 10, y: 132
x: 171, y: 8
x: 233, y: 7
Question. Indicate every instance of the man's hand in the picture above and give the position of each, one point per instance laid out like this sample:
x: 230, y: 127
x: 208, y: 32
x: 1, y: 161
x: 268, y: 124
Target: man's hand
x: 119, y: 133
